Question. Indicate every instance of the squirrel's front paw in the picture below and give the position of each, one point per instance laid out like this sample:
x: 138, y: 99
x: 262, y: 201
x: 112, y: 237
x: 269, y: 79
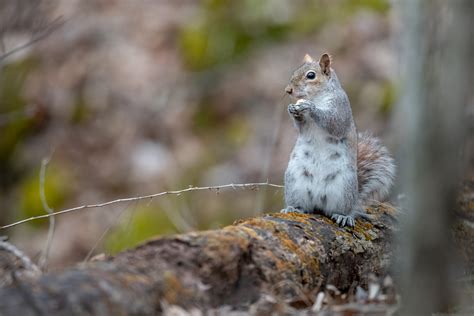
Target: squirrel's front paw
x: 303, y: 104
x: 297, y: 110
x: 293, y: 110
x: 299, y: 107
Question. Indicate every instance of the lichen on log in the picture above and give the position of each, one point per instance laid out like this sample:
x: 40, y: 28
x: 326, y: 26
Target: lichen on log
x: 280, y: 254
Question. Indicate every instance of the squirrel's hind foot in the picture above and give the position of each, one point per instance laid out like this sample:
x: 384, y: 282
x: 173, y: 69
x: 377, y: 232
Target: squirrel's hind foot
x: 343, y: 220
x: 291, y: 209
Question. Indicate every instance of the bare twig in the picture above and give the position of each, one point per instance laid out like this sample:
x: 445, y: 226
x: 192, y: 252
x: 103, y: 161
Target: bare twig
x: 26, y: 262
x: 251, y: 186
x: 37, y: 37
x: 43, y: 260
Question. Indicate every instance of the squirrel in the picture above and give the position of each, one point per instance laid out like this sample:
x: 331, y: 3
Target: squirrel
x: 332, y: 169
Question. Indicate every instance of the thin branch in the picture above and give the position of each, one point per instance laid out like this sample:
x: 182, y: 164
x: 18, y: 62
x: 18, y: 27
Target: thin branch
x: 43, y: 260
x: 251, y: 186
x: 25, y: 260
x: 43, y: 34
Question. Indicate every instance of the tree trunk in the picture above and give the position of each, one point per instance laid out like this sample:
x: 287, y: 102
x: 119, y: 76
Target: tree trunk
x: 285, y: 255
x: 432, y: 126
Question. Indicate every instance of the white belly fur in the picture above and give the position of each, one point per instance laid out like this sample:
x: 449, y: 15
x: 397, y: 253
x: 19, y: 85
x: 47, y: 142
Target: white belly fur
x: 330, y: 196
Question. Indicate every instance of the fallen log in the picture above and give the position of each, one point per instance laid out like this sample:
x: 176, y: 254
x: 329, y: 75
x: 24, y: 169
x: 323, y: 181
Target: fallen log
x: 285, y: 255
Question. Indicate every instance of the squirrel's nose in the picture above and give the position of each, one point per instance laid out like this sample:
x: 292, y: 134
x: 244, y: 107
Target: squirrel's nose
x: 289, y: 90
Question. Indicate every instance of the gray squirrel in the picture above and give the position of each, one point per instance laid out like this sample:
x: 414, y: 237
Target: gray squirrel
x: 332, y: 169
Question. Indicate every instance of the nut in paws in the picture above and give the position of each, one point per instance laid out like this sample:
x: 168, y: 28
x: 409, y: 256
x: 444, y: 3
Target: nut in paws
x: 298, y: 109
x: 293, y: 109
x: 303, y: 104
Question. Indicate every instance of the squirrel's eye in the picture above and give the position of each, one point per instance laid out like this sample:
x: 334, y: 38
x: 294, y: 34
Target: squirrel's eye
x: 311, y: 75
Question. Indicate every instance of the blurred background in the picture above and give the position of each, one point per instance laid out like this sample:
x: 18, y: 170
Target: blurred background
x: 132, y: 98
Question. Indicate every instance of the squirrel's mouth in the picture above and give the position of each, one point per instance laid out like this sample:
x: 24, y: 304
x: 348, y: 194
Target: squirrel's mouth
x: 297, y: 96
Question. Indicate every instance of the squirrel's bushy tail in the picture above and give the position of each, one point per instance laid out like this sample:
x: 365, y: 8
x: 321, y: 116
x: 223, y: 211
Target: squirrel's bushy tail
x: 375, y: 169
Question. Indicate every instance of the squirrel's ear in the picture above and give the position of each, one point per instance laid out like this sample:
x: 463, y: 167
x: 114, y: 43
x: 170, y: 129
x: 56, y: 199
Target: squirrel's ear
x: 308, y: 59
x: 325, y: 63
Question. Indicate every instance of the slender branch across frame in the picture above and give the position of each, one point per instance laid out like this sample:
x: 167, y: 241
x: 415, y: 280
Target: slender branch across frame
x: 217, y: 188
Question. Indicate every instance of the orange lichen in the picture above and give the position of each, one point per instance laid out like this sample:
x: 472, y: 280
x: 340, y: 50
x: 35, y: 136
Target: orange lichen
x: 278, y: 230
x: 364, y: 228
x: 296, y: 217
x: 220, y: 243
x: 244, y: 230
x: 173, y: 288
x: 131, y: 278
x: 259, y: 222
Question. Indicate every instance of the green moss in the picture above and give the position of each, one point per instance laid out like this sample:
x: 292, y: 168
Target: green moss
x: 278, y: 231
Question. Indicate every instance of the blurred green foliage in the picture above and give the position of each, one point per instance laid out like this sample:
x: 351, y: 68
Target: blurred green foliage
x: 81, y: 111
x: 15, y: 124
x: 238, y: 131
x: 234, y: 129
x: 388, y: 99
x: 205, y: 117
x: 226, y: 30
x: 141, y: 223
x: 56, y: 188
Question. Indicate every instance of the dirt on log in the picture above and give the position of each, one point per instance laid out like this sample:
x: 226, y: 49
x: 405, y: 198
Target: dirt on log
x: 285, y: 255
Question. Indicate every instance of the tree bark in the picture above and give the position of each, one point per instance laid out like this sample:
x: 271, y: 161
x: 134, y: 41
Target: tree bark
x: 432, y: 127
x: 285, y: 255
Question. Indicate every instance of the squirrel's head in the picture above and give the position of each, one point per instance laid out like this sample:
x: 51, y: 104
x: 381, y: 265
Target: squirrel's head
x: 311, y: 78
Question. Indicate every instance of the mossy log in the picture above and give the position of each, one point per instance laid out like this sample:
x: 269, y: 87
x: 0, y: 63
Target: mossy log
x: 285, y: 255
